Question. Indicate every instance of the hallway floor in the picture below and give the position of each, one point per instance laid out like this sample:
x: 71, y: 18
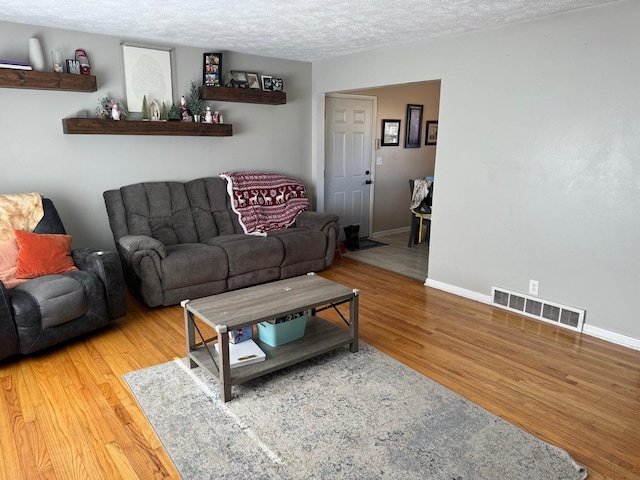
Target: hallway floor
x: 396, y: 256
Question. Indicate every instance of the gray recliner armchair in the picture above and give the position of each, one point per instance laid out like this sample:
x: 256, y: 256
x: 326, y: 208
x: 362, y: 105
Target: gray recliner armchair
x: 47, y: 310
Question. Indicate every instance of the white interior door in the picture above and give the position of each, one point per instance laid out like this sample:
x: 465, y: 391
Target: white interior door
x: 348, y: 153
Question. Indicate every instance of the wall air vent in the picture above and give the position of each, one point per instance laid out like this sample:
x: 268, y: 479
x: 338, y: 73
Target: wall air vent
x: 534, y: 307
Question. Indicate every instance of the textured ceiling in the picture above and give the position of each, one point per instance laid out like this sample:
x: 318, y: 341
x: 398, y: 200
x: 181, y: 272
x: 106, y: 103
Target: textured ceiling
x: 306, y: 30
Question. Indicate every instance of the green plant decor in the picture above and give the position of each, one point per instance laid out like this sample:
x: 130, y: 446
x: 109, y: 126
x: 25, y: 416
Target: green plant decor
x: 163, y: 112
x: 145, y: 108
x: 104, y: 107
x: 174, y: 112
x: 193, y: 102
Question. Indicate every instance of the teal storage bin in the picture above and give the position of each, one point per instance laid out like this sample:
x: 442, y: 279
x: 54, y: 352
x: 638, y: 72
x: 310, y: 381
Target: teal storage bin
x: 278, y: 334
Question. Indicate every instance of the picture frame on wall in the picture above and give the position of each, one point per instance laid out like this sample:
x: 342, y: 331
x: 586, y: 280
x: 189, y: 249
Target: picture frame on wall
x: 414, y: 126
x: 390, y: 133
x: 431, y: 132
x: 212, y: 69
x: 147, y: 72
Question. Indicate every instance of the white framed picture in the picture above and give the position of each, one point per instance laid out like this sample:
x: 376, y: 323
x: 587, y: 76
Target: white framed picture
x: 147, y: 71
x: 266, y: 82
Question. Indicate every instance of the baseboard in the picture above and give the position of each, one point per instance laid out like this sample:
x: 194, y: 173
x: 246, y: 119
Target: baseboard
x: 612, y: 337
x: 597, y: 332
x: 461, y: 292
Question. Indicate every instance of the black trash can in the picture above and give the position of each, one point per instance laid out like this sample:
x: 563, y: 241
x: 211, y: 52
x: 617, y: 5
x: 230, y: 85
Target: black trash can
x: 352, y: 235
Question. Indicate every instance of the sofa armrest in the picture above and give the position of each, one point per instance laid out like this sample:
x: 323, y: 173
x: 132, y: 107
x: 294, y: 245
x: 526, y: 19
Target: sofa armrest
x: 135, y: 243
x: 8, y: 335
x: 108, y: 268
x: 315, y: 220
x: 328, y: 224
x: 141, y: 258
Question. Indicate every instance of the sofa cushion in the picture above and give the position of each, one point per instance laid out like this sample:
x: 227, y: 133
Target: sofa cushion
x: 160, y: 210
x: 248, y: 253
x: 193, y: 264
x: 59, y: 298
x: 211, y: 207
x: 9, y: 263
x: 43, y: 254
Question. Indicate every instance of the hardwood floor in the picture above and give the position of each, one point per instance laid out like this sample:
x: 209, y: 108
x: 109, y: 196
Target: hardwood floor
x: 67, y: 413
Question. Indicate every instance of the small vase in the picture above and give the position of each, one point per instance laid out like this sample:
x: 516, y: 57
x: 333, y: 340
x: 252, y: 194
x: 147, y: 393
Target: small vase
x: 36, y: 58
x: 196, y: 118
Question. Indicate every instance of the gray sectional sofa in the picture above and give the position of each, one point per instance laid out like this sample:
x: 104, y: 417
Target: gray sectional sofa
x: 183, y: 241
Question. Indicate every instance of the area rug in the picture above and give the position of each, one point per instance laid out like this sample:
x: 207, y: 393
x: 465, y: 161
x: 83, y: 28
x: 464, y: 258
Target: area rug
x: 366, y: 243
x: 342, y: 415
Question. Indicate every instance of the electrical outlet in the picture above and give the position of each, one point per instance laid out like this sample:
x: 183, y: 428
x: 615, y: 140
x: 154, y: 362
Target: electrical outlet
x: 533, y: 287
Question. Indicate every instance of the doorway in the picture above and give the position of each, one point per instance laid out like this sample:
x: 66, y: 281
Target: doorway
x: 394, y: 166
x: 349, y: 123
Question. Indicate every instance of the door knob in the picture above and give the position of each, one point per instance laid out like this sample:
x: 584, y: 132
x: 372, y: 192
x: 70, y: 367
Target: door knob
x: 368, y: 182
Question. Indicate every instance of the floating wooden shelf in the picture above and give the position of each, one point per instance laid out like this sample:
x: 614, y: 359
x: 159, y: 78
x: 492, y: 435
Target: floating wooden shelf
x: 96, y: 126
x: 243, y: 95
x: 47, y: 80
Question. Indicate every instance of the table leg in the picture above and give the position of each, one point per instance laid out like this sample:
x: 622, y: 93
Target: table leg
x: 353, y: 319
x: 189, y: 333
x: 224, y: 366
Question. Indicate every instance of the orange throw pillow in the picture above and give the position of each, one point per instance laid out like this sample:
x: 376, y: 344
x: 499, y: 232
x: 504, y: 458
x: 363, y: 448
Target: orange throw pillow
x: 8, y: 263
x: 43, y: 254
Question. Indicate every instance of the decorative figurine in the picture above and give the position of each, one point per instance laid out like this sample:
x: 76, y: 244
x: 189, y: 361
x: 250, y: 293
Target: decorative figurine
x: 154, y: 111
x: 185, y: 113
x: 115, y: 113
x: 207, y: 115
x: 85, y: 66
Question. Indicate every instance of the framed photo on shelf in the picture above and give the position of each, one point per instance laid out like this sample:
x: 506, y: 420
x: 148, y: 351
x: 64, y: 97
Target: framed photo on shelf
x: 277, y: 85
x: 414, y: 126
x: 431, y: 135
x: 212, y: 69
x: 147, y: 71
x: 266, y: 82
x: 253, y: 80
x: 390, y: 133
x: 239, y: 79
x: 73, y: 66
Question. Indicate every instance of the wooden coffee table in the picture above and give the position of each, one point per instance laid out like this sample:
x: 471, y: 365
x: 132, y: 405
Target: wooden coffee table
x: 243, y: 308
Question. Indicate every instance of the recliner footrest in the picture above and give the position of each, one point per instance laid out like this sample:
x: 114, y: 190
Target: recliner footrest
x: 60, y: 298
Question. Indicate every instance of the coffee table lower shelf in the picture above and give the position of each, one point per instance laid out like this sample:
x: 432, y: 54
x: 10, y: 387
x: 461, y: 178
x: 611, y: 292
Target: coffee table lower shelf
x: 320, y: 337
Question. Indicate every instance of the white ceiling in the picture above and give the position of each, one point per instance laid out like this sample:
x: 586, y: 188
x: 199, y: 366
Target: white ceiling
x: 306, y: 30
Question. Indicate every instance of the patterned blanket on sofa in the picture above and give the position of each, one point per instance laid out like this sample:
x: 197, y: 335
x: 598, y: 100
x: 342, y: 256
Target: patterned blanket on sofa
x: 265, y: 201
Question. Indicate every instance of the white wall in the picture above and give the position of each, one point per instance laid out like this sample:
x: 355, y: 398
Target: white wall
x: 74, y: 170
x: 538, y: 161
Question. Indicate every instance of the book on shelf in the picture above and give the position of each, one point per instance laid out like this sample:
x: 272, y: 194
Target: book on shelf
x: 244, y: 353
x: 14, y: 65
